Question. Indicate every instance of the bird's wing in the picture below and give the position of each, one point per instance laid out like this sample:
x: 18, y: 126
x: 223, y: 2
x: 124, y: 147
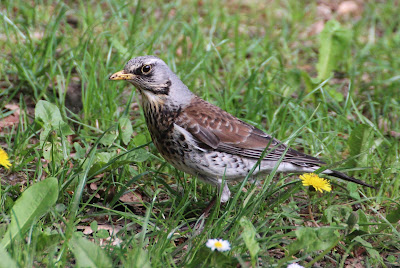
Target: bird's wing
x: 215, y: 128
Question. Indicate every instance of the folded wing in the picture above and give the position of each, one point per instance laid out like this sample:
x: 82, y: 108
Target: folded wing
x: 215, y: 128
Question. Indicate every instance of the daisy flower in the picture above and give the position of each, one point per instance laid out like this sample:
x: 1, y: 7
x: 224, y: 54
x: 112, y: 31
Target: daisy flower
x: 218, y: 244
x: 320, y: 184
x: 4, y: 159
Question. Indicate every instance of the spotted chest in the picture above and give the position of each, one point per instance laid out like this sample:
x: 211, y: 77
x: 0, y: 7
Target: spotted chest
x: 160, y: 122
x: 185, y: 153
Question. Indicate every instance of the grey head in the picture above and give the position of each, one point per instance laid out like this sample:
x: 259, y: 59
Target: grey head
x: 155, y: 80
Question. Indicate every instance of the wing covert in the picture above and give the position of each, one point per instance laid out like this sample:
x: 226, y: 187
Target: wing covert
x: 215, y: 128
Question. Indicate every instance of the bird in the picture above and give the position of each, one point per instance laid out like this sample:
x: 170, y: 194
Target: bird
x: 203, y: 140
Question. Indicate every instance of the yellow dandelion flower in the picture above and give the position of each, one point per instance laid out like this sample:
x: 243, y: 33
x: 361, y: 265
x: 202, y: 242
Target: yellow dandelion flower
x: 4, y: 159
x: 320, y: 184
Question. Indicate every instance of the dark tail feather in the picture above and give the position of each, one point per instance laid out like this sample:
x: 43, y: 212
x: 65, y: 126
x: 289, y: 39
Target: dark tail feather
x: 345, y: 177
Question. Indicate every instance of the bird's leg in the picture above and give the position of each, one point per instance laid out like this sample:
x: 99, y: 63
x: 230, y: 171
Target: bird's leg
x: 224, y: 198
x: 198, y: 226
x: 225, y: 193
x: 210, y: 205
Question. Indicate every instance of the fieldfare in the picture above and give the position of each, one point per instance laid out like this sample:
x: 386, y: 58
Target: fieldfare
x: 201, y: 139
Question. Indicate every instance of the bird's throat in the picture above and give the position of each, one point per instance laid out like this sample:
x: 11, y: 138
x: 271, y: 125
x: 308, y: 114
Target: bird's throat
x: 149, y: 98
x: 159, y: 115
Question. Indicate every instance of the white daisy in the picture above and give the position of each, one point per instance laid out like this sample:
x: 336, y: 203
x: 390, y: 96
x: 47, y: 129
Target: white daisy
x: 218, y: 244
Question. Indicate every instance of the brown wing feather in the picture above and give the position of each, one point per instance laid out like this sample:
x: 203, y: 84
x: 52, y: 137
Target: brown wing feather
x: 215, y: 128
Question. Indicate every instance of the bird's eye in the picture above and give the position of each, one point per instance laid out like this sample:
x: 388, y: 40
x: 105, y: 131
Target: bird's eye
x: 146, y: 69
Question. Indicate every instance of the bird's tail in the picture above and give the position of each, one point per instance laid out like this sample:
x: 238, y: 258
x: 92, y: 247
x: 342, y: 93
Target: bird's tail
x: 345, y: 177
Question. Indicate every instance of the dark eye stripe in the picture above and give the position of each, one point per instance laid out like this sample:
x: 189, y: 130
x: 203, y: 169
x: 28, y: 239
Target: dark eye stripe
x: 163, y: 90
x: 138, y: 71
x: 145, y: 69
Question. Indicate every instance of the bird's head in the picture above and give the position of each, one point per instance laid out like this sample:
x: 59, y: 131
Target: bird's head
x: 154, y: 79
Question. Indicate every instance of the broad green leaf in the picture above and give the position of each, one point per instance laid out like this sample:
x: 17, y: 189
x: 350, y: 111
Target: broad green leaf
x: 352, y: 220
x: 94, y: 226
x: 313, y: 239
x: 101, y: 161
x: 370, y: 249
x: 336, y: 95
x: 80, y: 152
x: 48, y: 113
x: 33, y: 203
x: 139, y: 139
x: 249, y: 237
x: 394, y: 215
x: 334, y: 46
x: 392, y: 259
x: 363, y: 221
x: 52, y: 151
x: 104, y: 157
x: 138, y: 155
x: 47, y: 239
x: 293, y: 77
x: 103, y: 234
x: 310, y: 83
x: 337, y: 214
x: 353, y: 191
x: 126, y: 129
x: 359, y: 143
x: 106, y: 161
x: 109, y: 138
x: 6, y: 260
x: 50, y: 116
x: 44, y: 133
x: 88, y: 254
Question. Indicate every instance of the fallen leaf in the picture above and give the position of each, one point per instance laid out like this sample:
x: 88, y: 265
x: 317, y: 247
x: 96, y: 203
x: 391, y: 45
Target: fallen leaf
x: 93, y: 186
x: 112, y: 229
x: 324, y: 12
x: 348, y: 7
x: 131, y: 197
x: 13, y: 118
x: 316, y: 28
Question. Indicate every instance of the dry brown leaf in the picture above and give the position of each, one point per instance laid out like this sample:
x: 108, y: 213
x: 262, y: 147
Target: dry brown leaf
x: 12, y: 106
x: 12, y: 119
x: 131, y: 197
x: 324, y: 12
x: 316, y: 28
x: 93, y: 186
x: 112, y: 229
x: 348, y: 7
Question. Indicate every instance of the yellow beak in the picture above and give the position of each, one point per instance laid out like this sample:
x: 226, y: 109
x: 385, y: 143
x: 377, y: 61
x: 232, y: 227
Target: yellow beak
x: 121, y: 75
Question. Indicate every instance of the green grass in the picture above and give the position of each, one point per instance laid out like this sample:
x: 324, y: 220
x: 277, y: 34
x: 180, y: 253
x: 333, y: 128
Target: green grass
x: 254, y: 59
